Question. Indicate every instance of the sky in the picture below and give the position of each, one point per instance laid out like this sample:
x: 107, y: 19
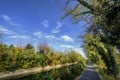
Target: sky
x: 37, y: 21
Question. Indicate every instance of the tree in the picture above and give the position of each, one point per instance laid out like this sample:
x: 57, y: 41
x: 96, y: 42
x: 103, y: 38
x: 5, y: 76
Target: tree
x: 29, y: 46
x: 44, y: 48
x: 102, y: 15
x: 11, y: 46
x: 97, y: 51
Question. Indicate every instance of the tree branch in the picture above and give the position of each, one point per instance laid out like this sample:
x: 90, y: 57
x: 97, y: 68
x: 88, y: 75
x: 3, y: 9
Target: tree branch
x: 82, y: 13
x: 86, y: 4
x: 71, y: 11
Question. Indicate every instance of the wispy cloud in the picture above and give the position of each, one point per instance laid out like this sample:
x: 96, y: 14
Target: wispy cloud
x: 49, y: 36
x: 67, y: 38
x: 52, y: 37
x: 57, y: 28
x: 45, y: 23
x: 9, y: 20
x: 38, y: 34
x: 12, y: 34
x: 43, y: 35
x: 66, y: 46
x: 6, y: 31
x: 20, y: 37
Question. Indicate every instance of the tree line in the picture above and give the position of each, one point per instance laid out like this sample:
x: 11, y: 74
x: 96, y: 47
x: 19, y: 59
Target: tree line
x: 17, y: 57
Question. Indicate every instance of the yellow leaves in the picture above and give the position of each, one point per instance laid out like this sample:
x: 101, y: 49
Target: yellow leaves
x: 102, y: 45
x: 102, y: 65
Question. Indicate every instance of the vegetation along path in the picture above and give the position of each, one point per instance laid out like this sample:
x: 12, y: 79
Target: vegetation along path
x: 89, y: 73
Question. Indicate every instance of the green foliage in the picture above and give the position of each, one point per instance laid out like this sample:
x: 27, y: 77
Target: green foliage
x: 12, y: 58
x: 29, y: 46
x: 64, y: 73
x: 98, y: 51
x: 74, y: 56
x: 102, y: 39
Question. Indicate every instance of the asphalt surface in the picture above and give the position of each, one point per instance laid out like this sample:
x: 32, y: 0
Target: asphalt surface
x: 90, y: 73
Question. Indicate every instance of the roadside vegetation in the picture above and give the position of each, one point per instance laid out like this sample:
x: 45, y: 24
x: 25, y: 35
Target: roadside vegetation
x: 13, y: 58
x: 64, y: 73
x: 102, y: 37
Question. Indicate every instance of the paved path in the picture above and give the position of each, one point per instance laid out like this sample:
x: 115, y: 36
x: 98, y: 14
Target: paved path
x: 90, y: 73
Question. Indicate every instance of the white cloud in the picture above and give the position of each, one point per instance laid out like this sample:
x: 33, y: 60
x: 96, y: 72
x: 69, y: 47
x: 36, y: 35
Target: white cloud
x: 8, y: 19
x: 55, y: 31
x: 66, y: 46
x: 49, y: 36
x: 20, y: 37
x: 67, y: 38
x: 59, y: 25
x: 43, y: 35
x: 45, y: 23
x: 38, y: 34
x: 62, y: 38
x: 77, y: 49
x: 12, y: 34
x: 6, y: 31
x: 57, y: 28
x: 80, y: 50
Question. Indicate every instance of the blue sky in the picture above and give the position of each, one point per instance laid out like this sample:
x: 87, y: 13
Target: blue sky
x: 35, y: 21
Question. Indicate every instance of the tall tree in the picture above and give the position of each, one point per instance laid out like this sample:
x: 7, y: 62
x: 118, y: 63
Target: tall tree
x: 103, y: 17
x: 97, y: 51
